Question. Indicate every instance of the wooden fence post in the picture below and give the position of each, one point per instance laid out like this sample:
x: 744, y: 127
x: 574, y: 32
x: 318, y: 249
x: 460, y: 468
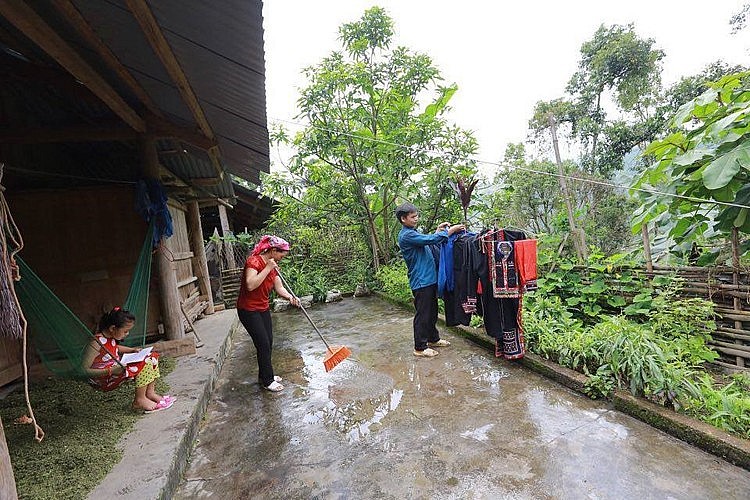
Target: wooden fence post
x: 228, y: 247
x: 736, y: 305
x: 7, y: 481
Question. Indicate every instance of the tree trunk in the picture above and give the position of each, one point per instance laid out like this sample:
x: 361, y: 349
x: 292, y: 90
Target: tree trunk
x: 579, y: 237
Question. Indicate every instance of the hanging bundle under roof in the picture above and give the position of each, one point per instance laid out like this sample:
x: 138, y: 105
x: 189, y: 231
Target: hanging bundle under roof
x: 10, y: 243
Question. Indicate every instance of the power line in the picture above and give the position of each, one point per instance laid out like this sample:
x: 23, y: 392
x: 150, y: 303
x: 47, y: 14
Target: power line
x: 526, y: 169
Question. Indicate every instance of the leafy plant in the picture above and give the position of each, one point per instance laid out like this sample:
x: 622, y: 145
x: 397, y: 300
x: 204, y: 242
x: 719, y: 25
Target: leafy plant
x: 726, y: 407
x: 704, y: 161
x: 394, y: 281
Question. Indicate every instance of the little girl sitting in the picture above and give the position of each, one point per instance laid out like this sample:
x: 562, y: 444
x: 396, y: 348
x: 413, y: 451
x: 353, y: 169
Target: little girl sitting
x: 107, y: 373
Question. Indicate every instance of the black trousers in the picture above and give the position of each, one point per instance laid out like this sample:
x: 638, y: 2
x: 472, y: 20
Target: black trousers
x: 258, y: 325
x: 425, y: 317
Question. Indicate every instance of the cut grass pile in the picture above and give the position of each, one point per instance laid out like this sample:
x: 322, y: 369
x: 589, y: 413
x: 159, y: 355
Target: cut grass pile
x: 82, y: 428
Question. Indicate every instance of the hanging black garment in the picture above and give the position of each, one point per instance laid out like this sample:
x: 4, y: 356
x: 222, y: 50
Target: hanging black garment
x: 460, y: 303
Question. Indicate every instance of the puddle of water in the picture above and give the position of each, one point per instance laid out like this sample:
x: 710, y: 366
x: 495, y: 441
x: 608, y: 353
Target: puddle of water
x: 479, y: 434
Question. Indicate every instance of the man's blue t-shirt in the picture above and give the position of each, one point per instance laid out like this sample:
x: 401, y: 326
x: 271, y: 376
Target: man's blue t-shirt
x: 418, y: 257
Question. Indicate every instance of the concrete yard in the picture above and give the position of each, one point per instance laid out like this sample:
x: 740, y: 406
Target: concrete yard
x: 388, y: 425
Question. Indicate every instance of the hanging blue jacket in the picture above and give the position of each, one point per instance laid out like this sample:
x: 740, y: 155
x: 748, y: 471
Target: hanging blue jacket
x: 445, y: 268
x: 418, y: 257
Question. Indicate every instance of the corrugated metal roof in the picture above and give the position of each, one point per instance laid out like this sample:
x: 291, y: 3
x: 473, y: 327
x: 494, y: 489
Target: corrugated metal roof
x: 219, y: 46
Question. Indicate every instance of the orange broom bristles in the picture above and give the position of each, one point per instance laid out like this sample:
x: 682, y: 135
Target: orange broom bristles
x: 335, y: 355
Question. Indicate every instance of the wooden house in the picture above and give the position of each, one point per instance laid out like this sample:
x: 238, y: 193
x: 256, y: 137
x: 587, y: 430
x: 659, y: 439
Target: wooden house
x: 95, y: 95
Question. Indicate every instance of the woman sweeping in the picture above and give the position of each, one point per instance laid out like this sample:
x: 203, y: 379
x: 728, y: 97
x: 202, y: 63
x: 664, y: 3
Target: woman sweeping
x: 258, y: 279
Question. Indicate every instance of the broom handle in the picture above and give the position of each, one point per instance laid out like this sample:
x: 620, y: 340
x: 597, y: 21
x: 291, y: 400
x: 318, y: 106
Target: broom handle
x: 289, y: 289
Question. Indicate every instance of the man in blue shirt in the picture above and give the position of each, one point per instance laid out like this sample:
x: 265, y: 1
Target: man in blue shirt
x: 422, y: 276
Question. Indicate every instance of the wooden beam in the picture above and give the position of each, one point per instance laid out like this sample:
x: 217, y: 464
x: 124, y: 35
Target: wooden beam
x: 12, y: 68
x: 200, y: 264
x: 161, y: 127
x: 224, y: 220
x: 26, y: 20
x: 169, y: 298
x: 205, y: 181
x: 70, y: 13
x: 155, y: 37
x: 158, y: 128
x: 7, y: 480
x: 214, y: 202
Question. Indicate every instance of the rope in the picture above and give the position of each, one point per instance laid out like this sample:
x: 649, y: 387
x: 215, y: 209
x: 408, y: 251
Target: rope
x: 8, y: 225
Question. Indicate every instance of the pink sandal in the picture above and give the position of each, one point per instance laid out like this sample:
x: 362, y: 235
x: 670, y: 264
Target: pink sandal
x: 168, y: 398
x: 162, y: 405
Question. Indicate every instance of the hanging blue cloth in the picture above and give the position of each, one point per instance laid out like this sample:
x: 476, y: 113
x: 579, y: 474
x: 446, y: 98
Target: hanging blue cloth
x: 446, y: 279
x: 151, y: 203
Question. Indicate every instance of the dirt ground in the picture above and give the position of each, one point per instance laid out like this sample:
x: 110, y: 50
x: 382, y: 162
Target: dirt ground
x: 388, y: 425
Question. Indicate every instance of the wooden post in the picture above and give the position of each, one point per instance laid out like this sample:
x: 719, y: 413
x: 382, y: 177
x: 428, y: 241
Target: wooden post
x: 228, y: 247
x: 165, y: 269
x: 736, y: 305
x: 200, y: 265
x: 579, y: 237
x: 7, y: 481
x: 647, y: 248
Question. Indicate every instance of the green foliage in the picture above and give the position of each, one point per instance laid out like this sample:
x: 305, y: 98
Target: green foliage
x: 607, y: 224
x: 655, y: 347
x: 706, y: 157
x: 529, y: 196
x: 724, y: 406
x: 690, y: 87
x: 394, y: 281
x: 371, y: 141
x: 608, y: 285
x: 615, y: 60
x: 307, y: 280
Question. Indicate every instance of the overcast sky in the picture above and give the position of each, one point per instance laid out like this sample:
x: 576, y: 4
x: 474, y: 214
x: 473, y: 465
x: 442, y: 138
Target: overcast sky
x: 504, y: 56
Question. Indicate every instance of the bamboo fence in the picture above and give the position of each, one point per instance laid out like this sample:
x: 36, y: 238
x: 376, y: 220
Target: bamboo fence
x: 728, y: 287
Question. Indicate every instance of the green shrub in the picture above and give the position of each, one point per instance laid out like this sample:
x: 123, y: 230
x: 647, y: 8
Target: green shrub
x: 726, y: 407
x: 394, y: 281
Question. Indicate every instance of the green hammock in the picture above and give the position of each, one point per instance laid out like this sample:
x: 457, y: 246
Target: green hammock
x: 60, y: 338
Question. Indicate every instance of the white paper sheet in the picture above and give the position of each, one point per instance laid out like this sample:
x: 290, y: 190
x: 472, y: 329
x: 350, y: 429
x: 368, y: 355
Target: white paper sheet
x: 135, y: 357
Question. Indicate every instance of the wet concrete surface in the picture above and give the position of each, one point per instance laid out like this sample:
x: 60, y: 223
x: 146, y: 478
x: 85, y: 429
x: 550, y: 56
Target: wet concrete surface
x: 388, y: 425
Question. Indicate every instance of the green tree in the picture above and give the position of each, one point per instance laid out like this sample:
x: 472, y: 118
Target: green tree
x: 738, y: 21
x: 528, y: 194
x: 615, y: 60
x: 370, y: 142
x: 704, y: 163
x: 690, y: 87
x: 547, y: 116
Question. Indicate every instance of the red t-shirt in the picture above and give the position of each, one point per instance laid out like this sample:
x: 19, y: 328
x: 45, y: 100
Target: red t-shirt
x: 255, y: 300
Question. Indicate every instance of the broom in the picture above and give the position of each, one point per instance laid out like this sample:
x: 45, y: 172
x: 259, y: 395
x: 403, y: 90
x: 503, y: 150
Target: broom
x: 334, y: 354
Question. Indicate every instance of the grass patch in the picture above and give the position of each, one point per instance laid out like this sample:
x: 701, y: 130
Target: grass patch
x: 82, y: 428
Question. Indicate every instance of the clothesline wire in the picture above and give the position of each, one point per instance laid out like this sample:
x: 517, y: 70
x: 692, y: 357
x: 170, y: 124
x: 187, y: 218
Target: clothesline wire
x: 531, y: 170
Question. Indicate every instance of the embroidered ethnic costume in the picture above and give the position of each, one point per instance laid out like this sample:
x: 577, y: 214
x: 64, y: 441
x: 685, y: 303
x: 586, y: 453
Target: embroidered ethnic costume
x: 487, y: 274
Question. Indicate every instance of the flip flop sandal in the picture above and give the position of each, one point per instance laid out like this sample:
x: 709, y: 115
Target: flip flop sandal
x: 161, y: 405
x: 274, y: 387
x: 167, y: 397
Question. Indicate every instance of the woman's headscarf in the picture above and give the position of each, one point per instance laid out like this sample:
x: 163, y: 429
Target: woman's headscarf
x: 269, y: 241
